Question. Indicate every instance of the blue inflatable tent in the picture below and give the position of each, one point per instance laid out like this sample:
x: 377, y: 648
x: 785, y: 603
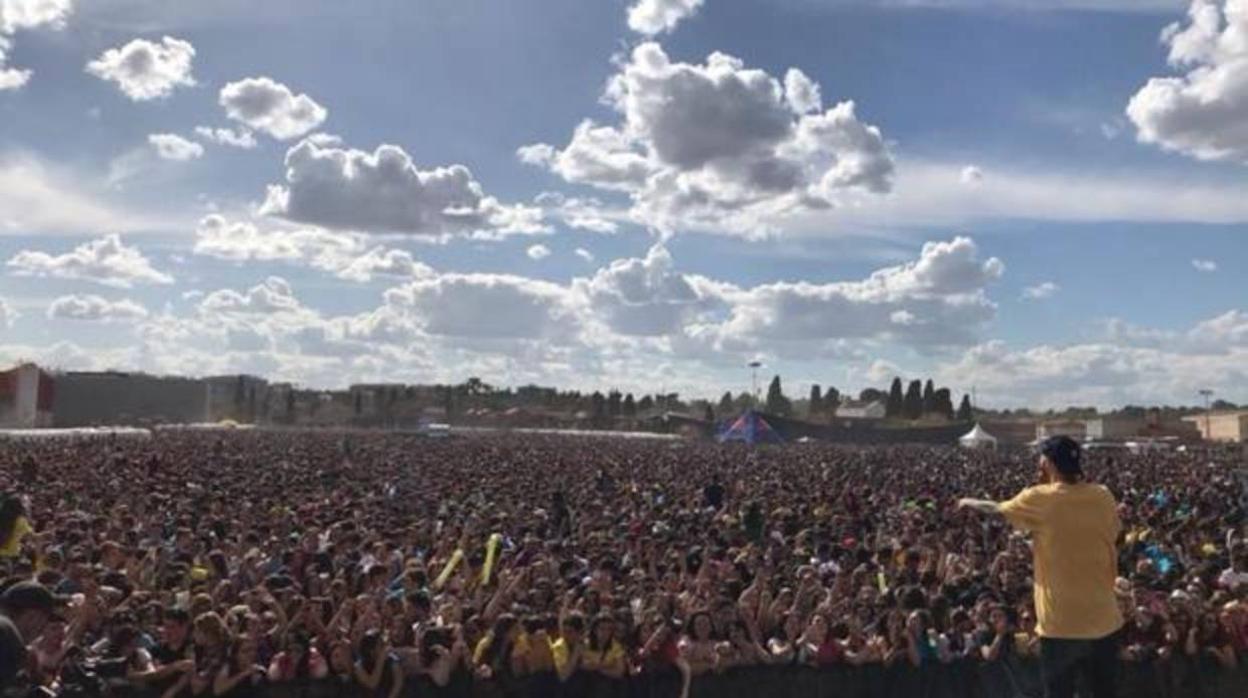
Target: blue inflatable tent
x: 749, y: 428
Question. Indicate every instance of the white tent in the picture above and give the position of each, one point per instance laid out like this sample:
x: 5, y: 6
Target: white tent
x: 978, y: 438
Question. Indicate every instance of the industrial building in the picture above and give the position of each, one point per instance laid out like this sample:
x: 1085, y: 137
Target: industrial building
x: 1229, y: 427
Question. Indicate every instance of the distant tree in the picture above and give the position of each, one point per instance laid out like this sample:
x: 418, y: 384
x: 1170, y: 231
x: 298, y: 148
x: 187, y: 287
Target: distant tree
x: 831, y: 400
x: 290, y: 405
x: 912, y: 404
x: 726, y: 405
x: 895, y: 407
x: 875, y: 395
x: 815, y: 405
x: 776, y: 402
x: 240, y: 392
x: 708, y: 413
x: 965, y: 412
x: 944, y: 403
x: 630, y: 406
x: 597, y: 406
x: 615, y: 403
x: 1223, y: 405
x: 743, y: 402
x: 359, y: 403
x: 929, y: 397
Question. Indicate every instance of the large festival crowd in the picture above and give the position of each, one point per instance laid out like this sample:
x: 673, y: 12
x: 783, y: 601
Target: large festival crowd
x: 196, y: 564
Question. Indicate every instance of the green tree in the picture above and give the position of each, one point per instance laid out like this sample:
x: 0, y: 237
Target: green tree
x: 875, y: 395
x: 831, y: 400
x: 944, y: 403
x: 929, y: 397
x: 816, y: 400
x: 615, y: 402
x: 912, y: 404
x: 726, y: 404
x: 597, y: 407
x: 776, y: 402
x: 630, y: 406
x: 646, y: 404
x: 895, y: 406
x: 965, y: 412
x: 708, y: 413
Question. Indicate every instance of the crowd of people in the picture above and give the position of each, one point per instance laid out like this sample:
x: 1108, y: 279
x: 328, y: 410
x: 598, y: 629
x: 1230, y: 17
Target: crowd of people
x: 201, y: 564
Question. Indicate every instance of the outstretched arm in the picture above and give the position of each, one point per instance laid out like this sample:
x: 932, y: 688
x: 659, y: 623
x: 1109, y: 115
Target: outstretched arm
x: 983, y: 506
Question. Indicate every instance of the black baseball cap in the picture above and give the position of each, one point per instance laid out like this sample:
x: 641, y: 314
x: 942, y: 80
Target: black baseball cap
x: 33, y: 596
x: 1065, y: 454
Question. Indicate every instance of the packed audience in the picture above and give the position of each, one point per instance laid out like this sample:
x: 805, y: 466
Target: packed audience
x: 218, y: 565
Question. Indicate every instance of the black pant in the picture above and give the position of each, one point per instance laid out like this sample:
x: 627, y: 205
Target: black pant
x: 1096, y: 660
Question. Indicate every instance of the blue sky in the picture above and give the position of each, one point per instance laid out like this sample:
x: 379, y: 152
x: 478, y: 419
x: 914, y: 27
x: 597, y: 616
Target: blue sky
x: 1043, y: 200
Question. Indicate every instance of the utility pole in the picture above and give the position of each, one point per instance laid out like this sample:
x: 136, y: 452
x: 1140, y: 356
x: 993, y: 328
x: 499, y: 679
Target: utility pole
x: 1206, y: 393
x: 754, y: 366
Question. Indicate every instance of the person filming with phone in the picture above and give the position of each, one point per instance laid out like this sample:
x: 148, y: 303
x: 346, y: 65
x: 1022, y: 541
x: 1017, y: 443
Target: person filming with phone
x: 1074, y: 526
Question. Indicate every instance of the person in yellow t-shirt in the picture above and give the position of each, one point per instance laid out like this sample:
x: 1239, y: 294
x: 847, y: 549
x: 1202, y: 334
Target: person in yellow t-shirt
x: 1074, y: 527
x: 604, y: 655
x: 14, y: 526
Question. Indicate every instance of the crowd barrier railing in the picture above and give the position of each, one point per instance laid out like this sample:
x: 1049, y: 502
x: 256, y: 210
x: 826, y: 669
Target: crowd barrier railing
x: 1177, y: 678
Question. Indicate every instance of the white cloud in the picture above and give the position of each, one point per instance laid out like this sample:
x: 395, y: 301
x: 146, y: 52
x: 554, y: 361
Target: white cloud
x: 538, y: 252
x: 938, y: 299
x: 105, y: 261
x: 584, y: 254
x: 651, y: 17
x: 345, y: 255
x: 41, y: 197
x: 237, y: 138
x: 385, y: 191
x: 170, y: 146
x: 1041, y: 291
x: 719, y: 147
x: 7, y: 313
x: 1204, y: 111
x: 1205, y: 265
x: 264, y: 104
x: 971, y: 175
x: 275, y: 295
x: 145, y: 70
x: 489, y: 306
x: 17, y: 15
x: 581, y: 213
x: 92, y: 308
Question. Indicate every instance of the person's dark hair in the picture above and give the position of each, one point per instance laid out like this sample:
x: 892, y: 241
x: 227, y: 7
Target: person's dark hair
x: 434, y: 637
x: 499, y: 646
x: 369, y: 645
x: 596, y: 623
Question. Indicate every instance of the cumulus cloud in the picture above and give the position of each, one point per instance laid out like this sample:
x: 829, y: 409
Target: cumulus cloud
x: 92, y: 308
x: 538, y: 252
x: 647, y: 297
x: 584, y: 254
x: 1203, y: 112
x: 972, y: 175
x: 8, y: 314
x: 1206, y: 265
x: 489, y: 306
x: 146, y: 70
x: 170, y: 146
x: 581, y: 213
x: 386, y: 191
x: 274, y: 295
x: 651, y: 17
x: 345, y: 255
x: 266, y: 105
x: 719, y: 147
x: 237, y: 138
x: 106, y: 261
x: 1041, y: 291
x: 16, y: 15
x: 939, y: 299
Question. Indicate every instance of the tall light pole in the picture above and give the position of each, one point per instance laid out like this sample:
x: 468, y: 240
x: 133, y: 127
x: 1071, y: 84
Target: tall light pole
x: 1206, y: 393
x: 754, y: 366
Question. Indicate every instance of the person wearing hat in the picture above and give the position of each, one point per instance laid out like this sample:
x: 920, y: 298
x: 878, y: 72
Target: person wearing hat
x: 1074, y: 526
x: 25, y: 608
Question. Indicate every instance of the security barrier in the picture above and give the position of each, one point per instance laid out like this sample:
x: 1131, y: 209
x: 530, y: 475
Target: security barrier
x: 1178, y: 678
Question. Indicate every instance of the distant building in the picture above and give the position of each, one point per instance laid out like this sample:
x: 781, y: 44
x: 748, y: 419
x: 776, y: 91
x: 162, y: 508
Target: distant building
x: 1074, y: 428
x: 114, y: 398
x: 854, y: 409
x: 1222, y: 426
x: 26, y: 394
x: 1114, y: 428
x: 240, y: 398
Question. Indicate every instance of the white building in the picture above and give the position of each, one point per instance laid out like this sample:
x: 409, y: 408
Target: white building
x: 853, y: 409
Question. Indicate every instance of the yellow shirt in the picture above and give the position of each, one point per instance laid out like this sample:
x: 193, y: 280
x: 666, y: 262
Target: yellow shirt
x: 561, y: 653
x: 598, y: 660
x: 13, y: 546
x: 1074, y: 544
